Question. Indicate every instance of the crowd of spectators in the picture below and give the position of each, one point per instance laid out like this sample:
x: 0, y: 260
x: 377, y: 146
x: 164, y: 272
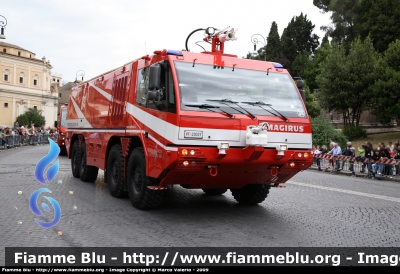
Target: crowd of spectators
x: 24, y: 135
x: 368, y: 157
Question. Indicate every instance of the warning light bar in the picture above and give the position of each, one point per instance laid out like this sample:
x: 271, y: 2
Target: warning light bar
x: 171, y: 52
x: 277, y: 65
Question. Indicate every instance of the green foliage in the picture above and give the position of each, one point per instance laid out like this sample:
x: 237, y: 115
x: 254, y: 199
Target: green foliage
x: 299, y: 64
x: 346, y: 80
x: 360, y: 62
x: 322, y: 4
x: 312, y: 66
x: 23, y: 120
x: 386, y: 89
x: 332, y: 88
x: 249, y: 56
x: 297, y: 38
x: 273, y: 48
x: 323, y: 131
x: 313, y: 108
x: 344, y: 16
x: 325, y: 40
x: 31, y: 116
x: 354, y: 132
x: 380, y: 19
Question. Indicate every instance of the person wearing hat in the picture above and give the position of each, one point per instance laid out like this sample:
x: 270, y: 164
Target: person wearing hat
x: 347, y: 152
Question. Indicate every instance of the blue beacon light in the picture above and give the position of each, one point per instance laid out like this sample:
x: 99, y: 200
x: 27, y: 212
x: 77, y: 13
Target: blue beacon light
x: 277, y: 65
x: 172, y: 52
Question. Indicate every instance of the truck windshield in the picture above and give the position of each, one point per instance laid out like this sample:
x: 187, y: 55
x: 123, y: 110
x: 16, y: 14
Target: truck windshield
x: 63, y: 116
x: 200, y: 84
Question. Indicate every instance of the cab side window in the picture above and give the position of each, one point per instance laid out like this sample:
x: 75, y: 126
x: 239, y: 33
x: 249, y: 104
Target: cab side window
x: 165, y: 98
x: 142, y: 86
x: 171, y: 92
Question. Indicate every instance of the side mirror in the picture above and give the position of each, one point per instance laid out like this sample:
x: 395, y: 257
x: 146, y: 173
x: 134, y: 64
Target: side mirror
x: 153, y: 95
x: 154, y: 77
x: 300, y: 84
x: 55, y: 123
x: 303, y: 94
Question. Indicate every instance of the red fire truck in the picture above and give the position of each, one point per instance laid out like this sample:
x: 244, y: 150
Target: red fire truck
x: 61, y: 127
x: 206, y: 120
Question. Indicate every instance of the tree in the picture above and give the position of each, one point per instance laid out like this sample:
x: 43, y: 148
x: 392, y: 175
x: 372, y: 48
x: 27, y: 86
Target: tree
x: 322, y: 4
x: 298, y: 38
x: 344, y: 18
x: 386, y: 90
x: 380, y: 19
x: 325, y: 40
x: 300, y: 64
x: 323, y: 130
x: 332, y: 88
x: 273, y: 48
x: 313, y: 66
x: 32, y: 115
x: 360, y: 65
x: 312, y: 107
x: 346, y: 81
x: 248, y: 56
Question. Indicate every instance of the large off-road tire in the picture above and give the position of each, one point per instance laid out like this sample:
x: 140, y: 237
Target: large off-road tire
x: 75, y: 159
x: 115, y: 172
x: 251, y: 194
x: 140, y: 195
x: 87, y: 173
x: 214, y: 191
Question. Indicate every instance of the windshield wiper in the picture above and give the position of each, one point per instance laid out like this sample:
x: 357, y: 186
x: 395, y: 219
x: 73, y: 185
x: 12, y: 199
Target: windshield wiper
x: 225, y: 101
x: 210, y: 108
x: 260, y: 104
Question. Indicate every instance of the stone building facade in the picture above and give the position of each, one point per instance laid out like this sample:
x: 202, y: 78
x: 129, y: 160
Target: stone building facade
x: 26, y: 82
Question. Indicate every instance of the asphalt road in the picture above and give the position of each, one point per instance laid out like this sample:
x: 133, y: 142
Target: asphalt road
x: 314, y: 210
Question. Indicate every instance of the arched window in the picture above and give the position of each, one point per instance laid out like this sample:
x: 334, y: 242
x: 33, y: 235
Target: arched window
x: 35, y: 80
x: 6, y: 75
x: 21, y: 78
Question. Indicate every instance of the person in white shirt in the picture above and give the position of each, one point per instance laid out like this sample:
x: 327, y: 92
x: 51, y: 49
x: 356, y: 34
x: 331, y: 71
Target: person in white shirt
x: 336, y: 151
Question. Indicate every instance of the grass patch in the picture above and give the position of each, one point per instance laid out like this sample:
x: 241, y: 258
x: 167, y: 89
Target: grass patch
x: 375, y: 139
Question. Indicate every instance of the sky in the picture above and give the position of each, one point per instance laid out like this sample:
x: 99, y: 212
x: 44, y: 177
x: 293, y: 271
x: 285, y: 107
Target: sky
x: 100, y: 35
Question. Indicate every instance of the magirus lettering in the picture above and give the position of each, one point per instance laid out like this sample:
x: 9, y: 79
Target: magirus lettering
x: 289, y: 128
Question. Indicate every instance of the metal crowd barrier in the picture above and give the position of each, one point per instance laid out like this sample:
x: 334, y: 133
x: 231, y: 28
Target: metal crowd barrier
x: 15, y: 141
x: 360, y: 165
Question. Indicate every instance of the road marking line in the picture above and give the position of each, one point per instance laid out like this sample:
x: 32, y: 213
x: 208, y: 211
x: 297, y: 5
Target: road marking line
x: 387, y: 198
